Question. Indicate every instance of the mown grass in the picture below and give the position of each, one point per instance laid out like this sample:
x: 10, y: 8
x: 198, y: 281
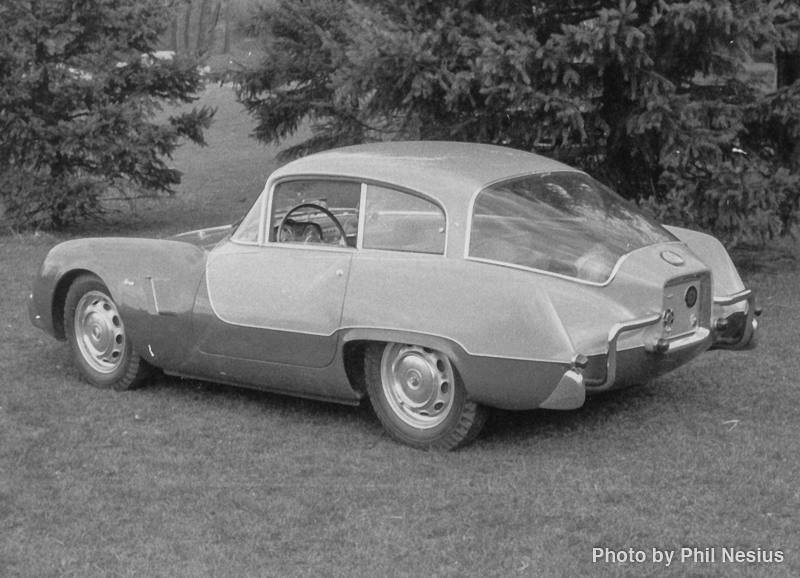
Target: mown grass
x: 186, y: 478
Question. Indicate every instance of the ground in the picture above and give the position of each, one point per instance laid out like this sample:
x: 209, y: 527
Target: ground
x: 186, y: 478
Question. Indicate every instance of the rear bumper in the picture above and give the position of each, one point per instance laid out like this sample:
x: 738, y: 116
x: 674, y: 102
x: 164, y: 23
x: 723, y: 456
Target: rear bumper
x: 641, y: 364
x: 733, y: 329
x: 736, y: 330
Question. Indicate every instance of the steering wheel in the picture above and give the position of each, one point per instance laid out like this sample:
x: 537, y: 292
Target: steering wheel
x: 326, y: 212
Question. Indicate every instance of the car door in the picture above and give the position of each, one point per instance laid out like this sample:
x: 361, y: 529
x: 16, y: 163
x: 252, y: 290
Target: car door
x: 281, y: 300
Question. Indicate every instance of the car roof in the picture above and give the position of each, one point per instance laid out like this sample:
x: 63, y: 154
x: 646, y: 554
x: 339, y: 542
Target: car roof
x: 448, y: 171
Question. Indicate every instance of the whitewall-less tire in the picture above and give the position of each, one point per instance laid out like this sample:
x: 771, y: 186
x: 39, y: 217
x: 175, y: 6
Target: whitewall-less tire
x: 102, y: 351
x: 419, y: 397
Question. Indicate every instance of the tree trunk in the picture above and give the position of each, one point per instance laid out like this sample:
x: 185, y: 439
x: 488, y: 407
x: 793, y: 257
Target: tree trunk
x: 201, y: 28
x: 212, y: 29
x: 787, y: 67
x: 226, y: 46
x: 186, y: 20
x: 787, y: 72
x: 622, y: 172
x: 173, y: 34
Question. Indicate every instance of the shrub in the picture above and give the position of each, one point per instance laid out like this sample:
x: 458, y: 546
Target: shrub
x: 650, y: 96
x: 77, y: 98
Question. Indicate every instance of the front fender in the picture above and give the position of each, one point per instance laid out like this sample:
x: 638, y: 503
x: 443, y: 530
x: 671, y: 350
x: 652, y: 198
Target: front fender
x: 153, y: 282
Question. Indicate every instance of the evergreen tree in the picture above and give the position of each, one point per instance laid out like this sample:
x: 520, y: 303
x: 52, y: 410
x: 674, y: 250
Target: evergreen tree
x: 650, y: 96
x: 78, y: 90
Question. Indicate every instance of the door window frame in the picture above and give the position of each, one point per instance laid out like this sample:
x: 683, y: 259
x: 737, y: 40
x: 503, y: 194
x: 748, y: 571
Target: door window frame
x: 266, y: 215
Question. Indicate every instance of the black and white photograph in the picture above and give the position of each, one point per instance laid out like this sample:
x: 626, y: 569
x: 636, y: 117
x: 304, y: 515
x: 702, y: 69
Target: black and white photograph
x: 402, y: 288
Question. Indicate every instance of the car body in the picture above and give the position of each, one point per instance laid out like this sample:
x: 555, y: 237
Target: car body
x: 437, y: 279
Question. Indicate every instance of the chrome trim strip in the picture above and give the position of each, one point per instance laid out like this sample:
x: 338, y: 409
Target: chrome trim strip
x: 362, y: 215
x: 155, y: 297
x: 747, y: 295
x: 548, y: 273
x: 262, y: 220
x: 310, y: 247
x: 605, y: 283
x: 686, y: 340
x: 245, y: 243
x: 203, y: 231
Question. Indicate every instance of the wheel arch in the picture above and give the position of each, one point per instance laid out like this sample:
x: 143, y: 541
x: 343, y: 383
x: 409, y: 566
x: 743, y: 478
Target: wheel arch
x: 432, y: 412
x: 355, y: 342
x: 58, y: 304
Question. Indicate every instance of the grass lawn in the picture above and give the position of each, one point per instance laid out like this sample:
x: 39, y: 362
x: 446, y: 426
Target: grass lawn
x: 188, y: 479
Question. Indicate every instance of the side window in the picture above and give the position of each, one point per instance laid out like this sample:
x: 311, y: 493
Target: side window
x: 247, y: 232
x: 315, y: 212
x: 400, y: 221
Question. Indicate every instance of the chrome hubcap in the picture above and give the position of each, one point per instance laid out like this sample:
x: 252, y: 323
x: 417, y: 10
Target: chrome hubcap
x: 418, y: 383
x: 99, y: 332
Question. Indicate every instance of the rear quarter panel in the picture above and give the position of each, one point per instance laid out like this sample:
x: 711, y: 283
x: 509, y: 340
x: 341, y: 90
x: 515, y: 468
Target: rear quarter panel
x: 498, y: 325
x: 512, y: 333
x: 488, y: 311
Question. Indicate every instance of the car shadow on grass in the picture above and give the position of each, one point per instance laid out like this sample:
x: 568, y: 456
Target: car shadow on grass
x: 601, y: 416
x: 507, y: 428
x: 589, y: 421
x: 211, y: 395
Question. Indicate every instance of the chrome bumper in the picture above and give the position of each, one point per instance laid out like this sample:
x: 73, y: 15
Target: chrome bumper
x: 613, y: 336
x: 738, y: 330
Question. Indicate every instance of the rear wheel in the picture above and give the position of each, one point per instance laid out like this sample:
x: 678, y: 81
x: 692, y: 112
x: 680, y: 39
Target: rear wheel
x: 101, y: 349
x: 419, y: 397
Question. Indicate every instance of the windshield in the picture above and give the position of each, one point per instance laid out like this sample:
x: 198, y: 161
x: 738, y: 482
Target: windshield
x: 565, y: 223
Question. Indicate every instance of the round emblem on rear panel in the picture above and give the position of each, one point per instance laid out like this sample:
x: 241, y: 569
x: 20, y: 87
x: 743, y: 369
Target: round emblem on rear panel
x: 672, y: 258
x: 669, y: 319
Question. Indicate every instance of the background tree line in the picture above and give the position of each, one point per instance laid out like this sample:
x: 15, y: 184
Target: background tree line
x: 668, y: 101
x: 655, y: 97
x: 207, y: 27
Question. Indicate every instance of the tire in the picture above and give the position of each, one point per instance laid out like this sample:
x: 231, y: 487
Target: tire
x: 102, y: 351
x: 419, y: 397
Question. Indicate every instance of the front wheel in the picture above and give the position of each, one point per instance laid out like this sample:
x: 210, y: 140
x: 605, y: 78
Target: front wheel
x: 101, y: 349
x: 419, y: 397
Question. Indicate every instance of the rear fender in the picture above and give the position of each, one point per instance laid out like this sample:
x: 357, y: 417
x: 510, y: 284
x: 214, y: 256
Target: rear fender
x: 727, y: 282
x: 713, y: 254
x: 492, y: 381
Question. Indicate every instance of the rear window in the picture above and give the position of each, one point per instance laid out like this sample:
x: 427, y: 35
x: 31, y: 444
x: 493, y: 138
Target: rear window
x: 563, y: 222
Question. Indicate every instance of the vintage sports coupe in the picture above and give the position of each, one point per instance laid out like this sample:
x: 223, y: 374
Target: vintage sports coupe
x: 437, y: 279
